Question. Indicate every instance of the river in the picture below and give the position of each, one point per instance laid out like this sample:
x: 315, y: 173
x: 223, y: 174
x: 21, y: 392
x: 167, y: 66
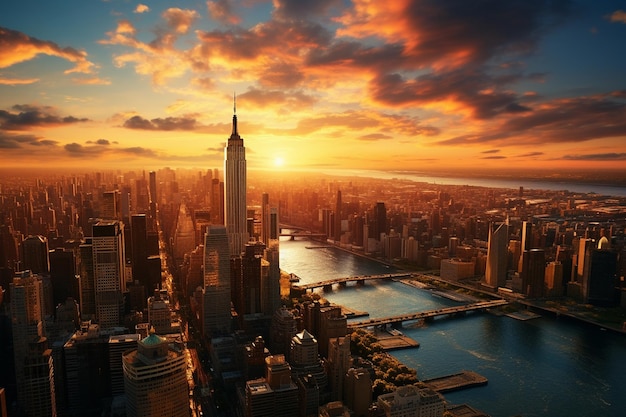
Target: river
x: 541, y: 367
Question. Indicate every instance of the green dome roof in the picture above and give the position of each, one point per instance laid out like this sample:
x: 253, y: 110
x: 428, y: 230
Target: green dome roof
x: 153, y: 339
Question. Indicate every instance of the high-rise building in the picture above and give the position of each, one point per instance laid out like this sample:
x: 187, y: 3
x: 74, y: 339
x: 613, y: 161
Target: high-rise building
x: 497, y: 256
x: 118, y: 344
x: 34, y: 254
x: 600, y: 277
x: 86, y: 281
x: 337, y: 225
x: 358, y: 390
x: 274, y: 395
x: 338, y: 363
x: 108, y: 267
x: 525, y: 241
x: 110, y: 205
x: 235, y: 190
x: 34, y: 372
x: 63, y: 275
x: 305, y: 361
x: 216, y: 298
x: 155, y: 379
x: 533, y: 272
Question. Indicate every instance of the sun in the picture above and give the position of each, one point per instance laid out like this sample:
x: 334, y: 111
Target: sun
x: 279, y: 161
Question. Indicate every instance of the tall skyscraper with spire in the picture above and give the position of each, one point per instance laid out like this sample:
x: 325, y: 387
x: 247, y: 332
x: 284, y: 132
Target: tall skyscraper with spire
x: 235, y: 190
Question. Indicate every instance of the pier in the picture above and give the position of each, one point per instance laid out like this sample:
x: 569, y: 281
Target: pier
x: 454, y: 382
x: 429, y: 314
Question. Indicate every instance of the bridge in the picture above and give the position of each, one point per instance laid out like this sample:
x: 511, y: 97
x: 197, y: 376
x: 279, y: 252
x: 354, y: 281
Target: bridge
x: 427, y: 315
x: 303, y: 233
x: 327, y: 285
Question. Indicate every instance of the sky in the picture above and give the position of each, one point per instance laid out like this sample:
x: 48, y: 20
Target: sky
x: 413, y: 85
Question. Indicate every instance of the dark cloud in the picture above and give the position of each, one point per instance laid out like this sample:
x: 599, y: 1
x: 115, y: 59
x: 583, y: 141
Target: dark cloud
x: 611, y: 156
x: 103, y: 142
x: 491, y: 151
x: 27, y: 116
x: 473, y: 88
x: 9, y: 141
x: 559, y: 121
x: 531, y: 154
x: 166, y: 124
x: 222, y: 11
x: 296, y: 9
x: 482, y: 29
x: 493, y: 157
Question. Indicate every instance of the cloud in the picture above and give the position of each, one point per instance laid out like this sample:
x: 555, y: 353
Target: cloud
x: 375, y: 136
x: 558, y: 121
x: 531, y: 154
x: 456, y: 32
x: 362, y: 120
x: 493, y: 157
x: 471, y: 89
x: 10, y: 141
x: 274, y: 98
x: 18, y: 81
x: 141, y: 8
x: 618, y: 16
x: 222, y: 11
x: 166, y: 124
x: 610, y: 156
x: 16, y: 47
x: 491, y: 151
x: 180, y: 20
x: 92, y: 81
x: 27, y: 116
x: 296, y: 9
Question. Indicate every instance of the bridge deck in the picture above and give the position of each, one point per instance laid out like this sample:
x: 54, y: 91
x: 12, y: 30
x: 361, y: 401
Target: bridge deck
x: 427, y: 314
x: 328, y: 282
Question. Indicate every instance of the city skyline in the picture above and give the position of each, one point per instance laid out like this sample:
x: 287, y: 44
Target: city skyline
x: 320, y: 85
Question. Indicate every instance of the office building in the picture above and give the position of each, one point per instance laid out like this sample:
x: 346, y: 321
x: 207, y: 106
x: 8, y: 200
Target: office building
x: 275, y: 395
x: 118, y: 344
x: 305, y: 360
x: 338, y: 362
x: 357, y: 393
x: 34, y: 255
x: 533, y: 273
x: 600, y: 277
x: 235, y: 209
x: 34, y: 372
x: 155, y: 379
x: 216, y: 288
x: 63, y: 275
x: 497, y: 256
x: 109, y: 271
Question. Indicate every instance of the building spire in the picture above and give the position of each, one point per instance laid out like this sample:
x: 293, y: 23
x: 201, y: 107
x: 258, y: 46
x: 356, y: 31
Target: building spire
x: 234, y: 115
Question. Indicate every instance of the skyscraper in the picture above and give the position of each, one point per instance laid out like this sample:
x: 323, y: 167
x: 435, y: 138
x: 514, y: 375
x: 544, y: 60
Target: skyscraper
x: 497, y: 256
x: 235, y: 190
x: 216, y: 303
x: 33, y: 359
x: 34, y: 254
x: 108, y: 268
x: 155, y: 379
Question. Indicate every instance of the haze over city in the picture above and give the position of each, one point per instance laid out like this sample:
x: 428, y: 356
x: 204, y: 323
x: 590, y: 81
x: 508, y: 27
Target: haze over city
x: 408, y: 85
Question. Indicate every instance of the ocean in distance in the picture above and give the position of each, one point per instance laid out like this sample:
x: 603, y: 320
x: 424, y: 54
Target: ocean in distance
x: 571, y: 185
x: 542, y: 367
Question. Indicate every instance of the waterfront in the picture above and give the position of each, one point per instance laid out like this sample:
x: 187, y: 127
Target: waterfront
x: 540, y: 367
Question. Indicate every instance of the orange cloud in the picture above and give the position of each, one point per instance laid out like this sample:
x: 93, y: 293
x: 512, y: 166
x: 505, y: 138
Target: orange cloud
x: 18, y: 81
x: 16, y: 47
x: 180, y: 20
x: 221, y: 10
x: 618, y: 16
x: 141, y: 8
